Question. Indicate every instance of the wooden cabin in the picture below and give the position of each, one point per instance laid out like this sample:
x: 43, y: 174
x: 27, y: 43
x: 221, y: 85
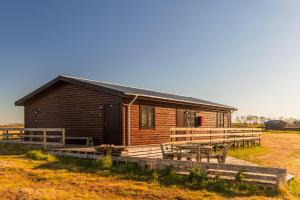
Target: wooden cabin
x: 275, y: 125
x: 116, y: 114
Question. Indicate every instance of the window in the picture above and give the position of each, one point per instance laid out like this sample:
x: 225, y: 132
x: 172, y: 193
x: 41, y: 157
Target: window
x: 147, y: 117
x: 220, y: 119
x: 190, y: 118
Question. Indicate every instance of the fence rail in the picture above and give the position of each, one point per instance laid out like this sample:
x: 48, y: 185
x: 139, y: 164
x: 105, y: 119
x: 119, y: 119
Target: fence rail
x: 33, y: 136
x: 235, y: 136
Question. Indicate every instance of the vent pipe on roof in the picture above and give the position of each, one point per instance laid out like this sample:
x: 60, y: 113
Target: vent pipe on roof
x: 128, y: 119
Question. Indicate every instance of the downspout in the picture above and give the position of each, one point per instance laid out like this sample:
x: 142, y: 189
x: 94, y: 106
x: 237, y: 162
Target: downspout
x: 128, y: 119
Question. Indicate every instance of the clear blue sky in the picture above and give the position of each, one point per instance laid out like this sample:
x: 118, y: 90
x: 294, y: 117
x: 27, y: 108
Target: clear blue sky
x: 241, y: 53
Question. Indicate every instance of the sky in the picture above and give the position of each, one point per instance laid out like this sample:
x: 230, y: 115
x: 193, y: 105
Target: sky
x: 240, y: 53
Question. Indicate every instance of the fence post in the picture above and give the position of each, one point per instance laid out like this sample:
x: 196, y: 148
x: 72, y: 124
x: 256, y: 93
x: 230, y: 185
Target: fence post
x: 6, y: 136
x: 45, y: 139
x: 30, y: 137
x: 63, y: 132
x: 210, y: 137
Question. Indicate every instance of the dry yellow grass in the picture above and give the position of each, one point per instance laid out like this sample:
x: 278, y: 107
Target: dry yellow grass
x: 22, y: 178
x: 279, y: 149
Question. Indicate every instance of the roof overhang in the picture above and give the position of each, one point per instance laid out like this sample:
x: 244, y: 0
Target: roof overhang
x: 21, y: 101
x: 182, y: 101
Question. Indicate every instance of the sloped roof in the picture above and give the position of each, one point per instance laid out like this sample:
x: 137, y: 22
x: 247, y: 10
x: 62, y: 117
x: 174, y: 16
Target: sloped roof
x: 124, y: 90
x: 275, y: 122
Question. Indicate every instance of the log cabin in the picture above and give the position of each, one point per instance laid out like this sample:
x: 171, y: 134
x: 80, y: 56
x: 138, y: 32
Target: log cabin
x: 117, y: 114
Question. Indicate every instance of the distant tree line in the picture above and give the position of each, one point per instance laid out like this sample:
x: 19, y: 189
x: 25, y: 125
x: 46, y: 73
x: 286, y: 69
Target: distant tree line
x: 253, y: 119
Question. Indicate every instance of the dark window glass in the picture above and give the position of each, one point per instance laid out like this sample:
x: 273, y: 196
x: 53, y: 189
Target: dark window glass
x: 220, y: 120
x: 190, y: 118
x: 147, y: 117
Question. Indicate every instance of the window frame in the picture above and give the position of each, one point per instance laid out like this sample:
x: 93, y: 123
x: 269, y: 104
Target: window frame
x: 193, y: 117
x: 220, y: 124
x: 147, y: 117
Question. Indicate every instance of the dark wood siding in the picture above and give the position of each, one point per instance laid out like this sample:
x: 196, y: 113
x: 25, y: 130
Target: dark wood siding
x: 70, y: 106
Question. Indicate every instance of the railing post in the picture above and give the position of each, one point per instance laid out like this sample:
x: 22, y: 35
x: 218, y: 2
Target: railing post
x: 45, y: 139
x: 30, y: 137
x: 6, y: 136
x: 210, y: 137
x: 63, y: 137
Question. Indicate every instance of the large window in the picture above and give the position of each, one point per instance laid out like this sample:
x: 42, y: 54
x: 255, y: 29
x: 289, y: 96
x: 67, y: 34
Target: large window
x: 147, y: 117
x: 190, y: 118
x: 220, y: 120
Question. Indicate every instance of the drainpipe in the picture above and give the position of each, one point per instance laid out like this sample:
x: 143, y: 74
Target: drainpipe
x: 128, y: 119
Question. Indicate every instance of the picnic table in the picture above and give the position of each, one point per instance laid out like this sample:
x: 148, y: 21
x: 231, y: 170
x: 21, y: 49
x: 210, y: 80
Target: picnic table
x: 197, y: 151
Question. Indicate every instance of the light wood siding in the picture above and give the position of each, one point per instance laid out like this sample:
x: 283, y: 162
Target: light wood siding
x: 165, y: 118
x: 70, y: 106
x: 209, y: 119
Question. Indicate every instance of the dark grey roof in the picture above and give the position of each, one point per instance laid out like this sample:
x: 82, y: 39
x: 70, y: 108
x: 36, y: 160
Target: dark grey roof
x: 275, y: 122
x: 133, y: 91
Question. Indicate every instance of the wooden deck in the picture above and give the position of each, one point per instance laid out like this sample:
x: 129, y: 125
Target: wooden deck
x: 93, y: 151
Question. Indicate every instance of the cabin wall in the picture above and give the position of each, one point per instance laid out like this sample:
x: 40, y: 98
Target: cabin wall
x: 165, y: 118
x: 69, y: 106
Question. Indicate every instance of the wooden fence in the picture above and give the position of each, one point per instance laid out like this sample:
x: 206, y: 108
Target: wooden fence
x: 256, y: 174
x: 235, y: 136
x: 33, y: 136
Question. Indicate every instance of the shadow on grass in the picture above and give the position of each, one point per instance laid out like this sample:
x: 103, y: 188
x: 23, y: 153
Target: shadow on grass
x: 14, y: 149
x: 166, y: 177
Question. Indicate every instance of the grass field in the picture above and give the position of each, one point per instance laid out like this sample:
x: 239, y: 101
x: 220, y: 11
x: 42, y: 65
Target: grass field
x: 279, y: 149
x: 22, y: 177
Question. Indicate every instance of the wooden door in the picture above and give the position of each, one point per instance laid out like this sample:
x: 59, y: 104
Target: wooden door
x: 180, y: 119
x: 112, y: 128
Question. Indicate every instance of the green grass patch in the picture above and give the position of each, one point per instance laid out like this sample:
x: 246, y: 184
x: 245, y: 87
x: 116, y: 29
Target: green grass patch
x: 104, y: 162
x: 13, y: 149
x: 39, y: 155
x: 294, y: 188
x: 249, y: 154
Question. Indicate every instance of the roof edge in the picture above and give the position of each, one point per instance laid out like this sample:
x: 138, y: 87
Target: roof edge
x: 21, y: 101
x: 171, y: 99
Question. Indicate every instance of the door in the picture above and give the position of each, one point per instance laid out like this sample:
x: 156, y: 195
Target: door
x: 180, y: 118
x: 112, y: 128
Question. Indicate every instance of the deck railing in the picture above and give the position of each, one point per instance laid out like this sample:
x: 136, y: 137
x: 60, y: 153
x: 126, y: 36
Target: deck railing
x: 33, y: 136
x: 236, y: 136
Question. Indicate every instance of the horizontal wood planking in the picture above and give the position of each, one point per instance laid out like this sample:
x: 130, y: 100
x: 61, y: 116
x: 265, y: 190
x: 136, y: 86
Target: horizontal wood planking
x: 216, y: 129
x: 74, y: 107
x: 29, y: 136
x: 30, y: 143
x: 33, y: 129
x: 215, y: 140
x: 165, y: 118
x: 216, y: 134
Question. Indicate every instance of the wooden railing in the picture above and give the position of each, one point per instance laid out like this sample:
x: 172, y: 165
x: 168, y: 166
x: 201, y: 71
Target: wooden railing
x: 236, y: 136
x: 33, y: 136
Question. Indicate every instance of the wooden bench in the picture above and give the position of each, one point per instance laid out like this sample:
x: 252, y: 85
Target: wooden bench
x: 196, y: 151
x: 89, y: 140
x: 168, y: 151
x: 219, y: 152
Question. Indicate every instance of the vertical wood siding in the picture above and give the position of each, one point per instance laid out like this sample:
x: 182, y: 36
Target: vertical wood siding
x: 70, y: 106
